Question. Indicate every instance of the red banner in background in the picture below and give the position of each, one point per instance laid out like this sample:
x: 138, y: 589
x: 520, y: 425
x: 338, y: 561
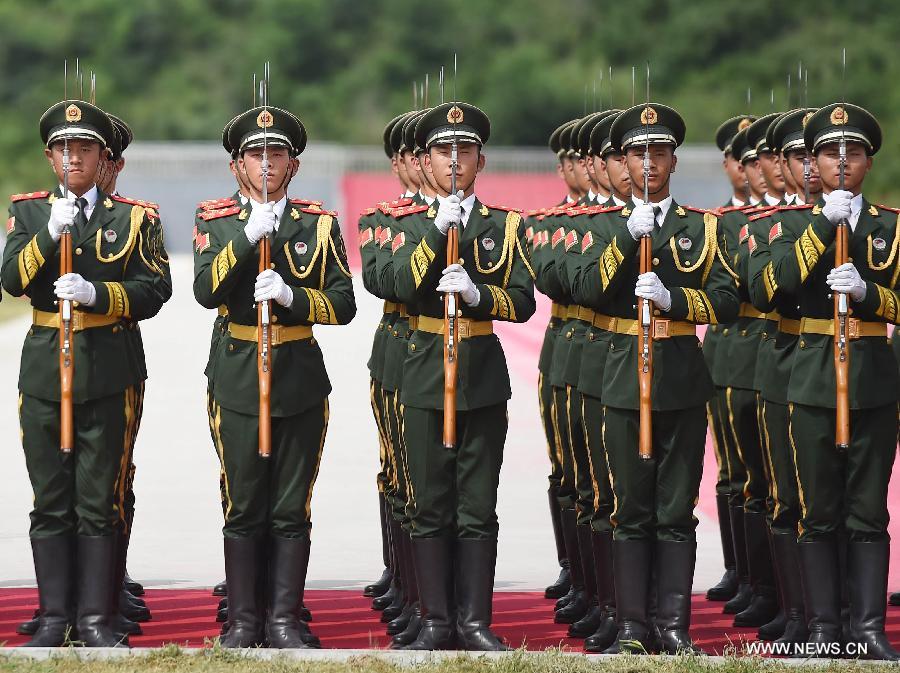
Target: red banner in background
x: 525, y: 191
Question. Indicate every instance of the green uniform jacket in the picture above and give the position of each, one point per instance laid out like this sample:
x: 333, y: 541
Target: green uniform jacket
x: 874, y: 251
x: 122, y: 252
x: 493, y: 251
x: 543, y: 260
x: 687, y: 256
x: 308, y: 253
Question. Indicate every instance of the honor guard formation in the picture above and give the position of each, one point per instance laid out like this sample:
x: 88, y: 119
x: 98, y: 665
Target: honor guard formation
x: 791, y: 283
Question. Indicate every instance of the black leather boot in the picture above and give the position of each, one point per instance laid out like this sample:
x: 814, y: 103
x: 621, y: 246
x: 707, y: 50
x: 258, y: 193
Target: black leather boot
x: 411, y: 632
x: 577, y: 606
x: 894, y: 599
x: 867, y: 574
x: 562, y: 584
x: 820, y: 570
x: 134, y: 588
x: 434, y: 565
x: 53, y: 569
x: 764, y: 604
x: 390, y: 596
x: 632, y: 560
x: 787, y: 561
x: 595, y: 615
x: 396, y: 606
x: 474, y: 566
x: 288, y: 561
x: 30, y: 627
x: 242, y: 571
x: 221, y: 589
x: 96, y: 576
x: 398, y: 625
x: 741, y: 599
x: 674, y: 576
x: 605, y: 633
x: 381, y: 585
x: 727, y: 586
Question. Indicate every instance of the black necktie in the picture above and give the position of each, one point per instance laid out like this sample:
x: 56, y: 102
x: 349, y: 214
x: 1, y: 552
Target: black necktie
x: 80, y: 214
x: 656, y: 213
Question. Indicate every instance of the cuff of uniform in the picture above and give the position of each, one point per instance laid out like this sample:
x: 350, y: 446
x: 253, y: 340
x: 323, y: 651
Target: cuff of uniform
x: 241, y: 247
x: 102, y: 300
x: 45, y: 242
x: 824, y: 230
x: 298, y: 313
x: 483, y: 310
x: 679, y: 308
x: 879, y: 303
x: 626, y: 245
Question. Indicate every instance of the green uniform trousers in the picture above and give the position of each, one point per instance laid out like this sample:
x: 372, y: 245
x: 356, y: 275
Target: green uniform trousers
x: 454, y: 491
x: 743, y: 422
x: 592, y: 419
x: 545, y: 404
x: 785, y: 495
x: 398, y: 493
x: 737, y: 473
x: 576, y: 491
x: 716, y: 431
x: 844, y: 489
x: 654, y: 499
x: 269, y: 496
x: 375, y: 398
x: 82, y: 492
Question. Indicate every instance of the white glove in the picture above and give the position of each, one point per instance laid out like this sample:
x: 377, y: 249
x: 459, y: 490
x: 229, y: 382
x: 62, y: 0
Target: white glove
x: 455, y: 279
x: 837, y: 206
x: 271, y: 287
x: 641, y: 221
x: 649, y: 286
x: 62, y: 215
x: 73, y: 287
x: 449, y: 212
x: 846, y: 279
x: 260, y: 223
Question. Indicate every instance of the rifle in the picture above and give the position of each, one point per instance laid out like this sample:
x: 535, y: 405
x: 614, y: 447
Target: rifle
x: 264, y: 308
x: 451, y: 301
x: 645, y: 312
x: 841, y: 314
x: 66, y: 357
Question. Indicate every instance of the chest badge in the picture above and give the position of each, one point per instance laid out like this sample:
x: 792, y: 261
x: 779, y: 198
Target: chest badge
x: 300, y: 248
x: 879, y: 244
x: 110, y: 236
x: 488, y: 243
x: 685, y: 243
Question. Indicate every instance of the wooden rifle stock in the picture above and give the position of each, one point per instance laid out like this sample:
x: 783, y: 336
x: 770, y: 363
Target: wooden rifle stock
x: 264, y: 358
x: 841, y: 348
x: 451, y: 344
x: 645, y: 359
x: 66, y: 355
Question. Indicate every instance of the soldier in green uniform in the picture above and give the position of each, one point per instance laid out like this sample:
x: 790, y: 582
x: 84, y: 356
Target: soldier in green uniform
x: 843, y: 492
x: 598, y: 190
x: 575, y: 179
x: 653, y: 522
x: 267, y: 517
x: 453, y: 492
x: 79, y: 513
x: 727, y: 587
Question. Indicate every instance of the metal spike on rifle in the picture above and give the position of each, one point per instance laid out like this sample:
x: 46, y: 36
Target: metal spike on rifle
x: 253, y: 90
x: 65, y: 79
x: 611, y: 106
x: 632, y: 85
x: 93, y: 88
x: 425, y: 92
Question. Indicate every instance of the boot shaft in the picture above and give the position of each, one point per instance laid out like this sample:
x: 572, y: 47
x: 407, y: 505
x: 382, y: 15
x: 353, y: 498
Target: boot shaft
x: 433, y: 558
x: 867, y: 576
x: 288, y: 563
x: 820, y: 570
x: 602, y: 544
x: 53, y: 568
x: 474, y: 565
x: 632, y: 562
x: 96, y: 574
x: 674, y: 562
x: 243, y: 572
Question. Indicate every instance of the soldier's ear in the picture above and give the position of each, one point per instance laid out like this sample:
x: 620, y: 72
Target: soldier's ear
x: 481, y: 162
x: 674, y: 162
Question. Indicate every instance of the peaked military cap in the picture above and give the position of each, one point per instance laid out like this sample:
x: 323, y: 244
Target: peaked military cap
x: 397, y: 144
x: 653, y: 122
x: 76, y: 120
x: 729, y: 128
x: 565, y: 138
x: 741, y: 149
x: 444, y: 122
x: 842, y: 120
x: 599, y: 140
x: 556, y: 141
x: 756, y: 132
x: 584, y: 129
x: 277, y: 127
x: 386, y: 135
x: 124, y: 136
x: 225, y: 142
x: 785, y: 134
x: 409, y: 132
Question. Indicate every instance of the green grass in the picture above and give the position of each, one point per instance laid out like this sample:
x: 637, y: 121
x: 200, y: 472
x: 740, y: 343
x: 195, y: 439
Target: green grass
x: 171, y: 660
x: 13, y: 307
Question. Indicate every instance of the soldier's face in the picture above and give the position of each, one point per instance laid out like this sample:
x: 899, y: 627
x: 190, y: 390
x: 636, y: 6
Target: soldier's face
x: 755, y: 178
x: 281, y: 169
x: 789, y: 183
x: 617, y: 171
x: 771, y: 170
x: 568, y: 167
x: 470, y: 162
x: 734, y: 169
x: 662, y: 165
x: 795, y: 166
x: 427, y: 181
x: 85, y: 157
x: 857, y: 165
x: 582, y: 176
x: 597, y: 167
x: 411, y: 173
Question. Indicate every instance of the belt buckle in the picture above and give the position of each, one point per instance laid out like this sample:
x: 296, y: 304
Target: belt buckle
x: 462, y: 328
x: 853, y: 328
x: 660, y: 328
x: 77, y: 321
x: 274, y: 335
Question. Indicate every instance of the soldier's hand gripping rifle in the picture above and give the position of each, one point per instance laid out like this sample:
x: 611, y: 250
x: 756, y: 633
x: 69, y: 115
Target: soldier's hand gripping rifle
x: 264, y: 308
x: 645, y: 313
x: 451, y: 299
x: 66, y: 356
x: 842, y: 316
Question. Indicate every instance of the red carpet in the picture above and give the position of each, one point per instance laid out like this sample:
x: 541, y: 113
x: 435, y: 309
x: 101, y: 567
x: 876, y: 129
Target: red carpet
x: 344, y: 619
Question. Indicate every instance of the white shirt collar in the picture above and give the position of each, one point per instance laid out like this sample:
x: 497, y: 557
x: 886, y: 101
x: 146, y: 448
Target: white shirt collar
x: 617, y: 201
x: 591, y: 196
x: 771, y: 200
x: 736, y: 202
x: 427, y: 199
x: 243, y: 199
x: 754, y: 201
x: 90, y: 196
x: 790, y: 199
x: 569, y: 199
x: 466, y: 204
x: 408, y: 194
x: 663, y: 206
x: 279, y: 207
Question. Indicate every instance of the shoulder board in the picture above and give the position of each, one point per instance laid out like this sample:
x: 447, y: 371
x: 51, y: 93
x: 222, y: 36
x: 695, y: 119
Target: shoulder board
x: 801, y: 206
x: 134, y: 202
x: 409, y: 210
x: 888, y: 208
x: 400, y: 203
x: 702, y: 211
x: 29, y: 196
x: 222, y: 212
x: 595, y: 210
x: 729, y: 209
x: 759, y: 216
x: 305, y: 202
x: 318, y: 211
x: 367, y: 211
x: 506, y: 208
x: 216, y: 204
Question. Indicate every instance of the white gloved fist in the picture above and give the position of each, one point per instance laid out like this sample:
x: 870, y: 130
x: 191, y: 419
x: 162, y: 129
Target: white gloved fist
x: 846, y: 280
x: 260, y: 223
x: 641, y: 221
x: 449, y: 212
x: 837, y: 206
x: 62, y: 215
x: 271, y: 287
x: 649, y: 286
x: 455, y: 279
x: 73, y: 287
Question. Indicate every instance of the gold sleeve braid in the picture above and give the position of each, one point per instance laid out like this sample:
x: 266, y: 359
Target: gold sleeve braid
x: 699, y: 308
x: 808, y: 249
x: 421, y: 259
x: 118, y: 300
x: 30, y: 262
x: 609, y: 263
x: 711, y: 230
x: 769, y: 281
x: 321, y: 311
x: 504, y: 308
x: 222, y: 264
x: 887, y: 304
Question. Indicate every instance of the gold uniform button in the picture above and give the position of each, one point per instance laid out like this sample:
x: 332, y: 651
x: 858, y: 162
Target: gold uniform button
x: 743, y: 332
x: 231, y: 347
x: 115, y: 329
x: 490, y: 264
x: 271, y: 265
x: 77, y: 251
x: 687, y: 263
x: 274, y: 318
x: 569, y: 334
x: 656, y: 261
x: 412, y: 347
x: 656, y: 312
x: 725, y: 332
x: 395, y: 332
x: 802, y: 344
x: 765, y: 336
x: 303, y: 268
x: 591, y: 336
x: 462, y: 262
